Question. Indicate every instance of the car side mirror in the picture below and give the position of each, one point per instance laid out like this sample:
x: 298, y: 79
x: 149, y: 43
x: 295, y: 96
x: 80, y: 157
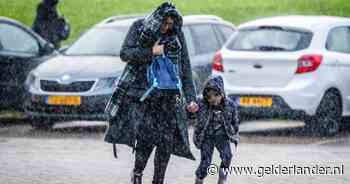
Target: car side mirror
x: 47, y: 49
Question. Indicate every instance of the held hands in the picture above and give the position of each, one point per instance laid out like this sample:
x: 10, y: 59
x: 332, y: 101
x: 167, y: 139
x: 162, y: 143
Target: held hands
x: 158, y: 49
x: 192, y: 107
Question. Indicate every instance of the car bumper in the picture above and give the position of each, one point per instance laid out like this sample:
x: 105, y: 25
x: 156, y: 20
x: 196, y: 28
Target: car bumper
x: 279, y: 109
x: 302, y: 94
x: 91, y: 108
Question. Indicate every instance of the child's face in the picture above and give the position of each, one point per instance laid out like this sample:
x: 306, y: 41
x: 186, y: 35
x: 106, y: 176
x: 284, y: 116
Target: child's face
x: 214, y: 97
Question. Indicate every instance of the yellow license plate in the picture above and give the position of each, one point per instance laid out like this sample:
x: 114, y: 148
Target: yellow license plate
x: 255, y: 101
x: 64, y: 100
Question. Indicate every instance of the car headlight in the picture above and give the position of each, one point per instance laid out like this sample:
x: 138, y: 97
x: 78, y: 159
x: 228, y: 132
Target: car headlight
x: 32, y: 81
x: 106, y: 83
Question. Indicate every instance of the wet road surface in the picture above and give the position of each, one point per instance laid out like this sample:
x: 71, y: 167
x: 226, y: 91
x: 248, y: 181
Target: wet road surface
x: 74, y: 152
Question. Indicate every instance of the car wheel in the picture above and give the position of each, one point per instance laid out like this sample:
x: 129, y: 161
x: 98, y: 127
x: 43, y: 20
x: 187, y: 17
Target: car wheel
x: 327, y: 120
x: 41, y: 123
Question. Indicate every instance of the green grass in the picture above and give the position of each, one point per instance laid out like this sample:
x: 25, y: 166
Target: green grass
x: 84, y: 13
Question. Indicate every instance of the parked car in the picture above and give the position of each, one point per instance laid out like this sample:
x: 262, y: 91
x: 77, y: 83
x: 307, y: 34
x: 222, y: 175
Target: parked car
x: 295, y: 67
x: 21, y: 50
x: 79, y: 83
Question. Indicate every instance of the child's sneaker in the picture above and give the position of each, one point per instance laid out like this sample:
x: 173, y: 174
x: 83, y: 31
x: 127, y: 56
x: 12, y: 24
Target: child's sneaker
x: 222, y: 177
x: 199, y: 181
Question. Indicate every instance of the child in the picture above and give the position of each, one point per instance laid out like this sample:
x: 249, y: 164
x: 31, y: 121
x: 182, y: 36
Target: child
x: 217, y: 127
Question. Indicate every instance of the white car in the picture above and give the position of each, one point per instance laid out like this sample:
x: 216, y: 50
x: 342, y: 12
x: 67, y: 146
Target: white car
x: 294, y: 67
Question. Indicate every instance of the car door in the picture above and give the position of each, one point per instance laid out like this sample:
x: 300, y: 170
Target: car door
x: 18, y: 48
x: 191, y: 52
x: 205, y: 44
x: 338, y: 43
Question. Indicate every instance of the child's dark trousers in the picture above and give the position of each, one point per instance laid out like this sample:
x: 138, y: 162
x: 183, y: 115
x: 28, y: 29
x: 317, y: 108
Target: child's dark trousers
x: 222, y: 144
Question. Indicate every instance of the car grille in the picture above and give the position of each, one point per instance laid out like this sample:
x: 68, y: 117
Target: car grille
x: 54, y: 86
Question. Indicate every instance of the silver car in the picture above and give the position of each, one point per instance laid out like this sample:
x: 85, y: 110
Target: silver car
x: 78, y: 84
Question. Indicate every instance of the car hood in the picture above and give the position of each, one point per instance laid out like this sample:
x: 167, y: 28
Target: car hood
x: 81, y: 67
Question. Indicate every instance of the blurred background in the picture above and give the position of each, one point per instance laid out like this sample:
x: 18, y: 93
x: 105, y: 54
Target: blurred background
x: 83, y: 14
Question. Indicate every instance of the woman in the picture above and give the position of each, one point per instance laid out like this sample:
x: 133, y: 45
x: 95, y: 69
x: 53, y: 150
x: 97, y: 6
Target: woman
x: 159, y: 121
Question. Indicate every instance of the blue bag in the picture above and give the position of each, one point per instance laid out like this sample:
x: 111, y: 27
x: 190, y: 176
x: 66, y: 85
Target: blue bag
x: 163, y: 74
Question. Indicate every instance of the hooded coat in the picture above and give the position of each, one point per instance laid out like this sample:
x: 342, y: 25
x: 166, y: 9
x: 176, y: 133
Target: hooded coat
x: 49, y: 24
x: 137, y: 53
x: 205, y: 114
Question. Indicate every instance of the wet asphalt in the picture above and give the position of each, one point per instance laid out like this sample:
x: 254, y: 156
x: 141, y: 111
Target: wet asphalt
x: 74, y: 153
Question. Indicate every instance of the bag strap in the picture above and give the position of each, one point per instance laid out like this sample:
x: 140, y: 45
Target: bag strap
x: 179, y: 85
x: 146, y: 94
x: 115, y: 151
x: 154, y: 84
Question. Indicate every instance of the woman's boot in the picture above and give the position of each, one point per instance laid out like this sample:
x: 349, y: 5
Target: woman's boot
x: 136, y: 178
x: 160, y: 181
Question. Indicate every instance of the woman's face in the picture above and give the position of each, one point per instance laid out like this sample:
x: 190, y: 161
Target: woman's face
x: 167, y: 25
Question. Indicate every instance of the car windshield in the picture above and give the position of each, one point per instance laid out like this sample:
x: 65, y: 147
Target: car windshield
x: 99, y: 41
x: 270, y: 39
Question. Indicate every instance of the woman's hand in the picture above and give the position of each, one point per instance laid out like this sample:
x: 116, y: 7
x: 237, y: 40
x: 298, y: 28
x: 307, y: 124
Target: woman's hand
x: 158, y: 49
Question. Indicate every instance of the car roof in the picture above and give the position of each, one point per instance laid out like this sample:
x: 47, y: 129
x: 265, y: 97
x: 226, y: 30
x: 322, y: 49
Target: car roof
x: 296, y: 21
x: 127, y: 20
x: 6, y: 19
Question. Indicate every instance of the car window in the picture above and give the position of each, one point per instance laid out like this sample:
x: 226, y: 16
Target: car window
x: 14, y: 39
x: 339, y: 40
x: 270, y: 39
x: 189, y: 40
x: 205, y: 39
x: 226, y: 31
x: 99, y: 41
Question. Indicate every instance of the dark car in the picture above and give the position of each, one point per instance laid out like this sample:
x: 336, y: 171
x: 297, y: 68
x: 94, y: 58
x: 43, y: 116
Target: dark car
x: 78, y: 84
x: 21, y: 50
x: 204, y: 34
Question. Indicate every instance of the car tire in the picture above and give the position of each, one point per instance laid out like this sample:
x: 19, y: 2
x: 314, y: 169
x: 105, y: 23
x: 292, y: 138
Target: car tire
x: 327, y: 120
x: 41, y: 123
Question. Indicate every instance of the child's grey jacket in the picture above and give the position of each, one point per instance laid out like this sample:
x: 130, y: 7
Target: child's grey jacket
x: 205, y: 113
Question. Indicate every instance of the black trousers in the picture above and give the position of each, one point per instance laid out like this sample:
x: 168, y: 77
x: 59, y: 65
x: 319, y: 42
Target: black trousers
x: 157, y: 130
x: 161, y: 160
x: 207, y: 149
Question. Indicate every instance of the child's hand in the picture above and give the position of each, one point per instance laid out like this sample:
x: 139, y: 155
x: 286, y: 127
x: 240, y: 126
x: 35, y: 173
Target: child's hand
x: 192, y: 107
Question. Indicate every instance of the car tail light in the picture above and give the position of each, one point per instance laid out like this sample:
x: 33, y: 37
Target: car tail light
x: 217, y: 63
x: 309, y: 63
